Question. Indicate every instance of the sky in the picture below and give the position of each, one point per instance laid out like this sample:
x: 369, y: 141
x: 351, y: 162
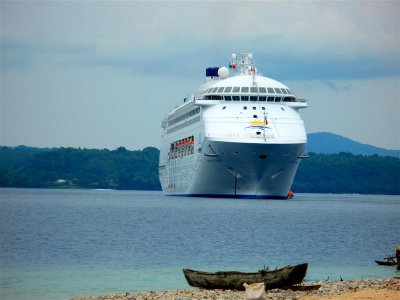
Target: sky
x: 103, y: 74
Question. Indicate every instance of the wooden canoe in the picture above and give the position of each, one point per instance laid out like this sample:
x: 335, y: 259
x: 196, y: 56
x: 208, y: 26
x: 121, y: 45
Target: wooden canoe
x: 232, y: 280
x: 386, y: 263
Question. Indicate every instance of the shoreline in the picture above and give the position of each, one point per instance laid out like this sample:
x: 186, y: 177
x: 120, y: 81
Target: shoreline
x: 388, y: 289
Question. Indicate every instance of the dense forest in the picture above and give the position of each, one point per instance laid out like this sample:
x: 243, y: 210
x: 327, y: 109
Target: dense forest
x: 138, y: 170
x: 79, y: 168
x: 348, y: 173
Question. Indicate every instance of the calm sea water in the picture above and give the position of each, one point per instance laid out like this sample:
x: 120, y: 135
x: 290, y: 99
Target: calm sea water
x: 56, y: 244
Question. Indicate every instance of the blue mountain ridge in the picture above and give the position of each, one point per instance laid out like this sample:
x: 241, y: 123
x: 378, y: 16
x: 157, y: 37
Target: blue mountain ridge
x: 329, y: 143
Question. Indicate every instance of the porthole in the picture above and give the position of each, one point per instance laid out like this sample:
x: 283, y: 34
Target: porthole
x: 263, y: 156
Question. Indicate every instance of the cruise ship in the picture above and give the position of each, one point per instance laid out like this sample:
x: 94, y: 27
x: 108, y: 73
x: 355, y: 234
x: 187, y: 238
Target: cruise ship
x: 240, y: 135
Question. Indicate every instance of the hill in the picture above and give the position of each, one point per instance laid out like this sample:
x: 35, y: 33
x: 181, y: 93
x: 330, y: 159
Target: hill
x: 329, y: 143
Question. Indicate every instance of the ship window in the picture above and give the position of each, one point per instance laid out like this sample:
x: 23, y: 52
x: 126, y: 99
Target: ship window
x: 220, y: 90
x: 255, y: 116
x: 245, y: 89
x: 235, y: 98
x: 277, y: 99
x: 224, y: 107
x: 262, y: 98
x: 244, y: 98
x: 214, y: 90
x: 253, y: 89
x: 262, y: 90
x: 270, y: 99
x: 263, y: 108
x: 253, y: 98
x: 228, y: 98
x: 254, y: 108
x: 228, y: 89
x: 278, y: 91
x: 216, y: 97
x: 236, y: 89
x: 244, y: 107
x: 288, y: 91
x: 284, y: 91
x: 271, y: 90
x: 288, y: 99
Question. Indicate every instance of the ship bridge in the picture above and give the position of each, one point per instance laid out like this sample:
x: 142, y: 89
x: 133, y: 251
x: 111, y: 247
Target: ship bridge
x: 245, y: 85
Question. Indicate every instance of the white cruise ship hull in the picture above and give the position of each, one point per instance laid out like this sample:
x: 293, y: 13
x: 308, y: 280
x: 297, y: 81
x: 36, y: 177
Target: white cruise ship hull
x: 232, y: 169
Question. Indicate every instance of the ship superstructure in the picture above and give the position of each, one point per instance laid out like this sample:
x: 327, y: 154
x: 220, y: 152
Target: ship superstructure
x: 238, y: 136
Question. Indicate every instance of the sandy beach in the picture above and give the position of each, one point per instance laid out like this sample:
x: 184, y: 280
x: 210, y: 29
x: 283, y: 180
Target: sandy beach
x: 335, y: 290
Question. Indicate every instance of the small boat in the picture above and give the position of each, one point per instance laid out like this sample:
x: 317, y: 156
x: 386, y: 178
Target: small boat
x: 233, y: 280
x: 386, y: 263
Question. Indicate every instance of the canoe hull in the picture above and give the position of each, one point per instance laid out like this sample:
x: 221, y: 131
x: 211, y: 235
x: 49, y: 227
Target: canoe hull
x: 385, y: 263
x: 280, y: 278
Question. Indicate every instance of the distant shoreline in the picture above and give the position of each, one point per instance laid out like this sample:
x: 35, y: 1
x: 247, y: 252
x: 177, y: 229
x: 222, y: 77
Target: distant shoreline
x: 122, y: 169
x: 388, y: 289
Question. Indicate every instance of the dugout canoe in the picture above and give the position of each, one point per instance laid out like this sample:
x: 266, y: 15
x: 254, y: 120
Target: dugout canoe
x: 385, y: 263
x: 233, y: 280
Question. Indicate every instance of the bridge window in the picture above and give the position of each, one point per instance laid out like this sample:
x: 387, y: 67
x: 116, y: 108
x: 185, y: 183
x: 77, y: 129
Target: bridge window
x: 284, y: 91
x: 288, y: 91
x: 262, y: 90
x: 271, y: 91
x: 214, y: 90
x: 278, y: 91
x: 228, y: 89
x: 220, y: 90
x: 236, y: 89
x: 245, y: 89
x: 253, y: 89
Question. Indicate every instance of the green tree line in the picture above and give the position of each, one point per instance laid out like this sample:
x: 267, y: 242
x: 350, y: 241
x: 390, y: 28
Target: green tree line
x: 138, y: 170
x: 348, y: 173
x: 79, y: 168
